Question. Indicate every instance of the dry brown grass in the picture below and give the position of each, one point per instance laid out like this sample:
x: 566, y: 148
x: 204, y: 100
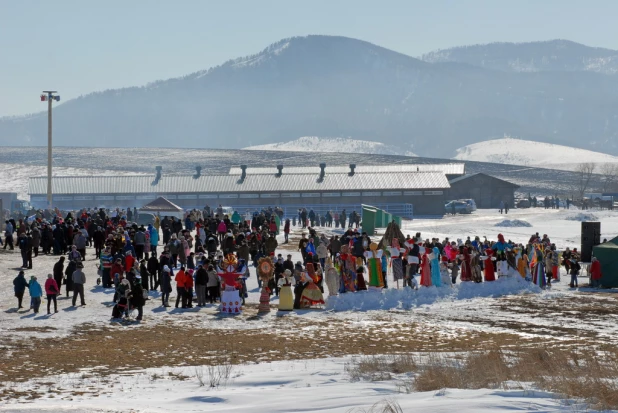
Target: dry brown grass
x: 380, y: 367
x: 384, y: 406
x: 574, y: 374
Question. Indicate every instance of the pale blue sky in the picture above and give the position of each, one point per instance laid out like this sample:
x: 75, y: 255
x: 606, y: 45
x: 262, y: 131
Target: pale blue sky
x: 81, y: 46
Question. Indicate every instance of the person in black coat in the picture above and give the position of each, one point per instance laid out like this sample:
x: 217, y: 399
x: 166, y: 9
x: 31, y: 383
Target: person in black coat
x: 59, y: 241
x: 144, y: 274
x: 201, y: 280
x: 137, y: 296
x: 154, y: 270
x: 166, y: 285
x: 98, y: 239
x: 69, y: 274
x: 47, y: 239
x: 58, y: 271
x: 164, y: 260
x: 20, y: 284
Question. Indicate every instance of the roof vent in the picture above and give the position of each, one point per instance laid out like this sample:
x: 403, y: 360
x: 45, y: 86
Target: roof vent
x: 280, y: 169
x: 352, y: 168
x: 243, y: 174
x: 322, y: 172
x: 158, y: 176
x: 198, y: 172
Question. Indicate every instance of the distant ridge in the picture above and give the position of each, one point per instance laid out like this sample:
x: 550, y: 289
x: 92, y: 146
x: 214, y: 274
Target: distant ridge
x: 552, y: 55
x: 337, y: 86
x: 315, y: 144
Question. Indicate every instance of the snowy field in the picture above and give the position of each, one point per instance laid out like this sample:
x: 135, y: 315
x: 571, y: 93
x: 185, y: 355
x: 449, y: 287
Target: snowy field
x: 79, y: 360
x: 309, y: 143
x: 278, y: 387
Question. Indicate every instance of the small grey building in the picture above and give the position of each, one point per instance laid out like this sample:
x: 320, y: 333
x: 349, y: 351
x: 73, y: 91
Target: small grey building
x: 487, y: 191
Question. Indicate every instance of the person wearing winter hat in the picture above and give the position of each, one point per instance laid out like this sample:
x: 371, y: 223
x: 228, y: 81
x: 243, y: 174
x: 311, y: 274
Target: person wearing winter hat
x: 51, y: 290
x: 20, y: 284
x: 36, y: 292
x: 166, y: 286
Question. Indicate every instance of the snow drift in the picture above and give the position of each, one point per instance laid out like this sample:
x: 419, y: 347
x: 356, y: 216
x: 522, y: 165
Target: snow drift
x: 512, y: 223
x: 538, y: 154
x: 582, y: 217
x: 348, y: 145
x: 407, y: 298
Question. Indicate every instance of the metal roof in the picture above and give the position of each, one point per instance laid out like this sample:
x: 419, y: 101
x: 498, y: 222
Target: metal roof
x: 161, y: 204
x: 464, y: 177
x: 445, y: 168
x: 230, y: 183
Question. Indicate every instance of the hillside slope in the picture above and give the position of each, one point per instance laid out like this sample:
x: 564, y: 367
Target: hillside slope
x: 538, y: 154
x: 316, y: 144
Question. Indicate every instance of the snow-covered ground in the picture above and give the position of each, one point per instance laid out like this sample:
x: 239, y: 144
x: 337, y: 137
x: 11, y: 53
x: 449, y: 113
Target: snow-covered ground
x: 529, y: 153
x: 278, y: 387
x: 348, y: 145
x: 505, y: 309
x: 562, y: 226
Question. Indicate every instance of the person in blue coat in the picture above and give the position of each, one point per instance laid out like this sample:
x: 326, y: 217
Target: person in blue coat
x: 310, y: 247
x: 154, y: 238
x: 20, y: 284
x: 128, y: 246
x: 36, y: 292
x: 435, y: 268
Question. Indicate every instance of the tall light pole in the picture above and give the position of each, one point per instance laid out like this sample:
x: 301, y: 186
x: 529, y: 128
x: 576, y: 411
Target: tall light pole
x: 48, y: 96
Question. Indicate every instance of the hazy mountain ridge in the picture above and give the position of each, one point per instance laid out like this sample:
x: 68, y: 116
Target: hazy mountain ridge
x: 336, y: 86
x: 553, y: 55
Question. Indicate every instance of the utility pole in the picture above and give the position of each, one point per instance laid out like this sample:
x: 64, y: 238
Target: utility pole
x: 48, y: 95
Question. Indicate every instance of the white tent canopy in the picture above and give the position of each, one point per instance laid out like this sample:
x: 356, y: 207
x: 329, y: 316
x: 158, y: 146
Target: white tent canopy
x: 163, y: 207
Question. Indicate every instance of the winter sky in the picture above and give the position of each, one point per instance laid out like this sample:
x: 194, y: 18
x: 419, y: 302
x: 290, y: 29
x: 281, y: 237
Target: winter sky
x: 77, y: 46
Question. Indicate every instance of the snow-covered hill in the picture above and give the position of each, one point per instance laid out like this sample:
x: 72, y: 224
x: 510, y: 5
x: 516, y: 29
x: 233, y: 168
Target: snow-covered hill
x: 314, y: 143
x: 14, y: 177
x: 539, y: 154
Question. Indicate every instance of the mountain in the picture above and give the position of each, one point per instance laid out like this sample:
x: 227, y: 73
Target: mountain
x: 553, y: 55
x: 337, y: 86
x: 313, y: 143
x: 537, y: 154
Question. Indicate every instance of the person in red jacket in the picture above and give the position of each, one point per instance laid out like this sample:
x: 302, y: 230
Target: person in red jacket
x: 180, y: 287
x: 595, y: 272
x: 129, y: 261
x: 187, y: 301
x: 52, y: 291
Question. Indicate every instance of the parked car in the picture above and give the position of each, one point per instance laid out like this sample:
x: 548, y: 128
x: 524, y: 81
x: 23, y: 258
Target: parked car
x: 471, y: 203
x: 458, y: 207
x: 145, y: 218
x: 522, y: 203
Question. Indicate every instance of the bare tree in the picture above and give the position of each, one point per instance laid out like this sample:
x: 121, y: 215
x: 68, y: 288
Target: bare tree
x: 585, y: 171
x: 610, y: 176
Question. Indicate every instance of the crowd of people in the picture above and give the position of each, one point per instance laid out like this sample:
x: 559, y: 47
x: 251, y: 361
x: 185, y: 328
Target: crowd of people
x: 193, y: 257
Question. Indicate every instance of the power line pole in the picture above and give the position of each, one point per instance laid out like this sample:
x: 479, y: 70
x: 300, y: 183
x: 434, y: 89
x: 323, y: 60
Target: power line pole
x: 48, y: 95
